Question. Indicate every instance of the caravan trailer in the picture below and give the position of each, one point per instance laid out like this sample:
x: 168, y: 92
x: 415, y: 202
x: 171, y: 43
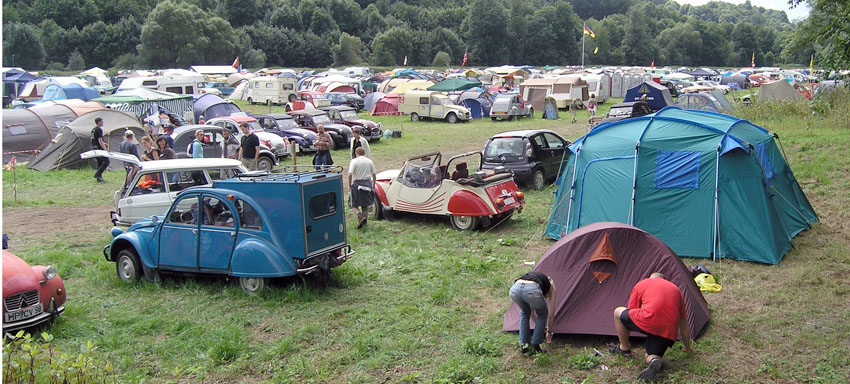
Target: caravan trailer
x: 178, y: 85
x: 271, y: 90
x: 599, y: 85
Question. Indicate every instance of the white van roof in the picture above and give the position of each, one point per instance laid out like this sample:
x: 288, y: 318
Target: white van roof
x: 163, y: 165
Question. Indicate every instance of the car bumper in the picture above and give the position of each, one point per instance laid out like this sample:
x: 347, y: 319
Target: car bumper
x: 522, y: 172
x: 49, y: 314
x: 335, y: 258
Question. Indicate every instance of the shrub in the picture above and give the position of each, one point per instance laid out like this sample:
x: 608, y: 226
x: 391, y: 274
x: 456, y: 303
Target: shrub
x: 585, y: 360
x: 30, y: 360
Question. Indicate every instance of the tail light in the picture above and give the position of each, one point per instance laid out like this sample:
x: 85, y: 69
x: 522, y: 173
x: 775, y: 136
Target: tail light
x: 528, y: 150
x: 520, y: 195
x: 500, y: 201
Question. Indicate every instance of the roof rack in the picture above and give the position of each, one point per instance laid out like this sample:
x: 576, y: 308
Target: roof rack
x: 291, y: 173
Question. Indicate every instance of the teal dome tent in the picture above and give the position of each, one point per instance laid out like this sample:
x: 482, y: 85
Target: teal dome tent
x: 709, y: 185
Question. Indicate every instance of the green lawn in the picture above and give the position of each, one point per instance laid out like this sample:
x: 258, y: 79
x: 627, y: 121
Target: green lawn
x: 422, y: 303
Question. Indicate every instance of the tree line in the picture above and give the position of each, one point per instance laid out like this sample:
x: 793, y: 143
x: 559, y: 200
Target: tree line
x: 123, y: 34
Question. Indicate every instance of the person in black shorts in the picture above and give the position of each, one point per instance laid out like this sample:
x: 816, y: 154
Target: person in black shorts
x: 657, y: 309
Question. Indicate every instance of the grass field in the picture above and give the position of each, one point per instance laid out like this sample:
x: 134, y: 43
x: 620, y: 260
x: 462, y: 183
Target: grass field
x: 422, y: 303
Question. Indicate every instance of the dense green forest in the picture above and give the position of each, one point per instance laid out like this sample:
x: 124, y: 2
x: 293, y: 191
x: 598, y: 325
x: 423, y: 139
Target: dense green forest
x: 75, y: 34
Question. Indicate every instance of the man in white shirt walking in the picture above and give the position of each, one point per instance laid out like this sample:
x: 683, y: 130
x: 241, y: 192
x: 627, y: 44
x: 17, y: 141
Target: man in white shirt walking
x: 361, y: 180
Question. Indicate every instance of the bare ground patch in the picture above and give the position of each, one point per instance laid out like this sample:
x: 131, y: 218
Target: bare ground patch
x: 29, y: 227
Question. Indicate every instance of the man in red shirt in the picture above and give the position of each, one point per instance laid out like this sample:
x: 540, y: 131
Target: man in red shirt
x: 657, y: 309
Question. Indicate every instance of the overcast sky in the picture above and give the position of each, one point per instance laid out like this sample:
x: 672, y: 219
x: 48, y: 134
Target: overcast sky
x: 800, y: 12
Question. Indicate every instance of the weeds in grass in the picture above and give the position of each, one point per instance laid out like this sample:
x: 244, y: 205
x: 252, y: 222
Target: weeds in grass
x: 584, y: 360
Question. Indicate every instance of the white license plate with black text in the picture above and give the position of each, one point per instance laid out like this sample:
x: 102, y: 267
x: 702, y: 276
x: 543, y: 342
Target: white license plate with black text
x: 23, y: 314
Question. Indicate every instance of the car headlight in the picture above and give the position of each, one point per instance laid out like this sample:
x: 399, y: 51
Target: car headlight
x: 49, y: 272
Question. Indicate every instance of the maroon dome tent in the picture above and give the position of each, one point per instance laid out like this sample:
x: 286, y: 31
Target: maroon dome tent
x: 594, y: 269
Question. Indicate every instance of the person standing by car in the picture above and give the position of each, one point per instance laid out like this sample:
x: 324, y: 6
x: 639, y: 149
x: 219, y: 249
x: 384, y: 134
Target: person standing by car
x: 323, y: 143
x: 591, y: 107
x: 164, y: 152
x: 574, y: 108
x: 361, y: 180
x: 229, y: 146
x: 129, y: 147
x: 98, y: 143
x: 358, y: 141
x: 250, y: 150
x: 530, y: 292
x: 150, y: 152
x: 656, y: 308
x: 197, y: 148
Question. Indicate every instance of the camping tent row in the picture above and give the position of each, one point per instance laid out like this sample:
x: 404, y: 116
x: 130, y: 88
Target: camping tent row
x: 594, y: 269
x: 26, y: 131
x: 709, y: 185
x: 74, y: 138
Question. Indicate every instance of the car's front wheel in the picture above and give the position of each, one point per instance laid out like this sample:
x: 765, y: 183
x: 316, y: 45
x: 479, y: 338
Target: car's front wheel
x: 265, y: 164
x: 252, y: 285
x: 451, y: 118
x: 538, y: 180
x: 128, y: 265
x: 465, y: 223
x: 414, y: 116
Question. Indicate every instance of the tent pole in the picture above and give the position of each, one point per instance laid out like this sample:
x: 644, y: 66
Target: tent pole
x: 634, y: 186
x: 572, y: 187
x: 716, y: 189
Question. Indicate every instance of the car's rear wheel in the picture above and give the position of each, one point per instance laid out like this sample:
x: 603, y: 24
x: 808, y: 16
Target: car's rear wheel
x: 265, y: 164
x: 252, y: 285
x: 538, y: 180
x: 451, y: 118
x: 493, y: 118
x: 250, y: 101
x: 465, y: 223
x: 414, y: 116
x: 128, y: 266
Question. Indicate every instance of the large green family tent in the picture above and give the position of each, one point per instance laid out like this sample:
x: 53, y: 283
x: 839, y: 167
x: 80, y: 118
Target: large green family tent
x: 707, y: 184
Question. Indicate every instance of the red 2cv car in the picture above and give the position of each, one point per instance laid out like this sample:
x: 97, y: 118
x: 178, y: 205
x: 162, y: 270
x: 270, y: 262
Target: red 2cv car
x: 31, y: 295
x: 425, y: 186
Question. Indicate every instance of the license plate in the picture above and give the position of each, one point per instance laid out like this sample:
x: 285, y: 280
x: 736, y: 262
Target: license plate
x: 509, y: 201
x: 25, y: 313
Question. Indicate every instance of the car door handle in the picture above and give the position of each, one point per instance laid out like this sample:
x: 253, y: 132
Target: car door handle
x: 232, y: 234
x: 195, y: 231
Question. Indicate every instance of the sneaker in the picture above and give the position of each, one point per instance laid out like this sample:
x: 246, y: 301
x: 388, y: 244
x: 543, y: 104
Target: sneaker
x: 537, y: 349
x: 648, y: 374
x: 524, y: 348
x: 100, y: 180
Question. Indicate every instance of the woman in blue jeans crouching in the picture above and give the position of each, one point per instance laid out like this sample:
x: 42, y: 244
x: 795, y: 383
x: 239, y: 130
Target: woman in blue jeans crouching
x: 529, y: 292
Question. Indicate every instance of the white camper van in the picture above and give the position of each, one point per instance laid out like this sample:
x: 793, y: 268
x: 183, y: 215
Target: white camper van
x: 271, y: 89
x: 178, y: 85
x: 599, y: 85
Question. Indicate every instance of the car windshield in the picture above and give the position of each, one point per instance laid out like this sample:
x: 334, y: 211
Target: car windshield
x: 445, y: 101
x: 620, y: 111
x: 287, y: 123
x: 504, y: 146
x: 254, y: 126
x: 421, y: 173
x: 349, y: 115
x: 321, y: 119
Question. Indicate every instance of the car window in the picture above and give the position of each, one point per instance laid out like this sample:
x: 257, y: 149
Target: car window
x: 554, y: 141
x: 508, y: 146
x: 222, y: 173
x: 248, y: 216
x: 148, y: 183
x: 178, y: 181
x: 217, y: 213
x: 423, y: 100
x: 538, y: 140
x: 323, y: 205
x: 185, y: 211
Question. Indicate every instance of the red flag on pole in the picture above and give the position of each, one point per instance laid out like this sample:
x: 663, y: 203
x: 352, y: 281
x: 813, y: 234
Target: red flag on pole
x: 464, y: 59
x: 652, y: 66
x: 235, y: 63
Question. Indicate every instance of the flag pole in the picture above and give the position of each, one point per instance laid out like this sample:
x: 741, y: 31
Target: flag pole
x: 582, y: 44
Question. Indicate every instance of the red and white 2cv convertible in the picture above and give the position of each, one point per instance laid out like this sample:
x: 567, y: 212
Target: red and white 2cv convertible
x: 425, y: 186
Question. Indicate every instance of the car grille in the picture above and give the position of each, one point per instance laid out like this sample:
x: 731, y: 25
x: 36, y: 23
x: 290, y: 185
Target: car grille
x: 21, y: 300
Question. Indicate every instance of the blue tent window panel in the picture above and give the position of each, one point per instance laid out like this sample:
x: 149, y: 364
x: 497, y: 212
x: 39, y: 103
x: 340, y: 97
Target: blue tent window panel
x: 677, y: 169
x: 764, y: 159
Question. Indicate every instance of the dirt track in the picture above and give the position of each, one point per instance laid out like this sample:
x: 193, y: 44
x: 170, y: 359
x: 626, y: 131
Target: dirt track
x: 28, y: 227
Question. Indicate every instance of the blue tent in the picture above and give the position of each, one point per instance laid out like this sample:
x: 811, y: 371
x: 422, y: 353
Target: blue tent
x: 707, y: 184
x: 211, y: 106
x: 70, y: 91
x: 657, y: 95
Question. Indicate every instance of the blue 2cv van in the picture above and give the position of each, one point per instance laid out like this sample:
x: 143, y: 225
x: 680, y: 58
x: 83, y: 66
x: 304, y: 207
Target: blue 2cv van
x: 254, y: 227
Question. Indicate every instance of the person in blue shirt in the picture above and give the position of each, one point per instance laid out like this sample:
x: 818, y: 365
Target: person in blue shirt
x: 197, y: 146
